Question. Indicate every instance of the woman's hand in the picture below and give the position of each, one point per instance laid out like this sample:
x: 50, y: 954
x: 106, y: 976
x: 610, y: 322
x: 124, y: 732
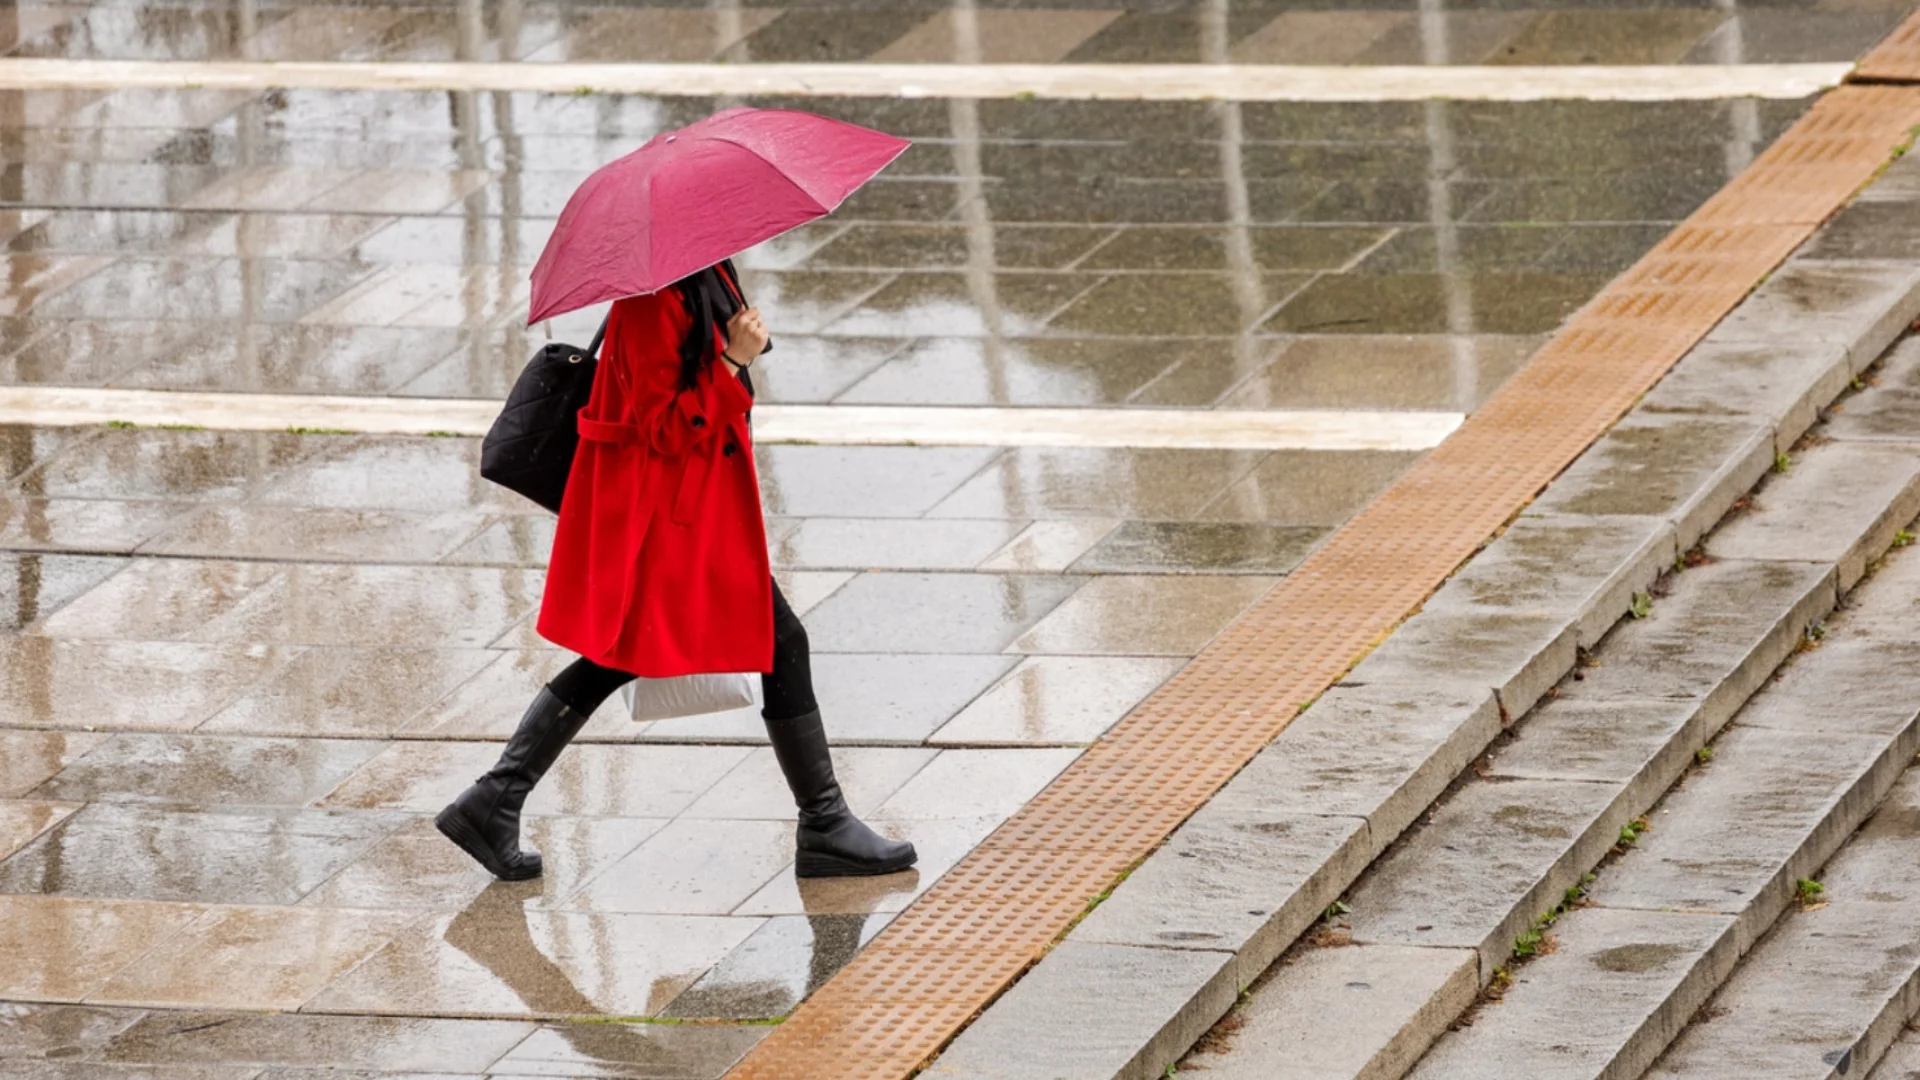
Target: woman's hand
x: 746, y: 336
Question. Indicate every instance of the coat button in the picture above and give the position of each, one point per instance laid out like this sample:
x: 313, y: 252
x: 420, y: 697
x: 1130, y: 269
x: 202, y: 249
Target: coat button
x: 698, y: 421
x: 729, y: 451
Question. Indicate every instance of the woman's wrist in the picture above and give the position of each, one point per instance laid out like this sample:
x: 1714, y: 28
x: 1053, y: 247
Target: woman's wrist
x: 738, y: 365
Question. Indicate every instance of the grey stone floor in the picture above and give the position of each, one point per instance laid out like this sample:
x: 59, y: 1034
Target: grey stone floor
x: 909, y: 31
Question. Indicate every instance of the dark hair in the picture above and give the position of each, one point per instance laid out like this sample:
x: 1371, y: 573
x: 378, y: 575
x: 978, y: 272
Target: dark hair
x: 702, y: 293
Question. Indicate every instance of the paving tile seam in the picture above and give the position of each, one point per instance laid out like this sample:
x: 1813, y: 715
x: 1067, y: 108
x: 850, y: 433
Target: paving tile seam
x: 1334, y: 642
x: 1118, y: 82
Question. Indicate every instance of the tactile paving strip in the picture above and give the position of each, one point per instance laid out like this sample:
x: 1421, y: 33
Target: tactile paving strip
x: 1897, y: 59
x: 946, y: 957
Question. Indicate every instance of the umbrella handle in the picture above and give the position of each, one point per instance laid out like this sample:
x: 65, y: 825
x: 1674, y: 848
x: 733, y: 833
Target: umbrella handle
x: 599, y: 335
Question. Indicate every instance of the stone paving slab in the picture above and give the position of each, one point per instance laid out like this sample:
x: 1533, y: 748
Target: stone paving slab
x: 1346, y: 1011
x: 1796, y: 801
x: 1894, y: 411
x: 28, y: 758
x: 1839, y: 503
x: 1485, y: 863
x: 1644, y: 743
x: 1090, y: 992
x: 1861, y: 305
x: 1886, y: 615
x: 1902, y: 1061
x: 1823, y: 997
x: 1379, y: 753
x: 1516, y: 654
x: 1687, y: 469
x: 1879, y: 676
x: 1558, y: 564
x: 1641, y: 975
x: 290, y: 1040
x: 509, y: 964
x: 1786, y: 385
x: 1716, y: 638
x: 1128, y: 34
x: 22, y: 821
x: 1228, y: 852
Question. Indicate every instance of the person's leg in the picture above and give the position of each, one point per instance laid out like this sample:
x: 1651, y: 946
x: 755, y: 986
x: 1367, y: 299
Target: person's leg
x: 787, y: 691
x: 830, y: 842
x: 485, y: 819
x: 583, y: 685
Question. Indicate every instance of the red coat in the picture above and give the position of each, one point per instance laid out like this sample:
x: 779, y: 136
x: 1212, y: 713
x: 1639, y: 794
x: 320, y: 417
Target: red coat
x: 659, y: 563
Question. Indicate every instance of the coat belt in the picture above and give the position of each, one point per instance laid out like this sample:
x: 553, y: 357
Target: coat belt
x: 605, y: 431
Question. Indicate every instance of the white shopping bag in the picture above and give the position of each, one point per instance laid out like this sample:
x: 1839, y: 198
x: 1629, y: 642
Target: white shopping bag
x: 688, y: 695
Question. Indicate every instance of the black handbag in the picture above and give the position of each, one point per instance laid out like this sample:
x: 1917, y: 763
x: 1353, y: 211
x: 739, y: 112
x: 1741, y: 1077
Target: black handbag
x: 530, y: 447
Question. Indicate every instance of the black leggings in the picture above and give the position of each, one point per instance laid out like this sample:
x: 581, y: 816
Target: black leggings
x: 787, y: 690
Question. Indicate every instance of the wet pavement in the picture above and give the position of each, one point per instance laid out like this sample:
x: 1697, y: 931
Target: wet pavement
x: 923, y: 31
x: 240, y: 670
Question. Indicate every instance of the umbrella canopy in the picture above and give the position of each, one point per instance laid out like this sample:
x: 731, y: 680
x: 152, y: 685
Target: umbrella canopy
x: 692, y: 197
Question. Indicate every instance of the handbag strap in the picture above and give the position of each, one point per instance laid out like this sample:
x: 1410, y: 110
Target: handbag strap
x: 599, y: 335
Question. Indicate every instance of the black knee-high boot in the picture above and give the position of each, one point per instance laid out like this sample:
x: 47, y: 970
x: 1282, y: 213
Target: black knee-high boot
x: 830, y: 841
x: 485, y: 819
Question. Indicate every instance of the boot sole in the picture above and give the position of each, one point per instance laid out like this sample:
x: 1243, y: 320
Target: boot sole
x: 819, y: 864
x: 455, y: 828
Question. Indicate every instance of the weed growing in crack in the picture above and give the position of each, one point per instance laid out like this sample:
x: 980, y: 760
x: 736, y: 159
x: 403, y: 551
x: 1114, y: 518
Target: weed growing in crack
x: 1632, y: 831
x: 1812, y: 637
x: 1498, y: 986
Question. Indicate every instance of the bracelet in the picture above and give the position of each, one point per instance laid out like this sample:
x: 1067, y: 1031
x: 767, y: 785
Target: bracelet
x: 729, y: 359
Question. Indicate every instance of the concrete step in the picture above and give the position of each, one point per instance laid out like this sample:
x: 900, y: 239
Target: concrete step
x: 1828, y: 992
x: 1508, y: 845
x: 1801, y: 767
x: 1902, y: 1061
x: 1798, y: 770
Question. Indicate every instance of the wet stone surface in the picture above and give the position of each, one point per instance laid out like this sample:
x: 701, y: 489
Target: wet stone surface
x: 240, y: 671
x: 1255, y: 32
x: 1484, y: 863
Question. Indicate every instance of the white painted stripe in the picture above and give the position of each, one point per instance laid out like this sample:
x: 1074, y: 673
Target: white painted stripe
x: 841, y: 425
x: 1174, y: 428
x: 1158, y: 82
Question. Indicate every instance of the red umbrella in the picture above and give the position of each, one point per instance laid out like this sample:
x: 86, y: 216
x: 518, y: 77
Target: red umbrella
x: 690, y: 198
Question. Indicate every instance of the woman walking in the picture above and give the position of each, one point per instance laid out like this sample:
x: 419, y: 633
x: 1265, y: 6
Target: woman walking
x: 660, y: 569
